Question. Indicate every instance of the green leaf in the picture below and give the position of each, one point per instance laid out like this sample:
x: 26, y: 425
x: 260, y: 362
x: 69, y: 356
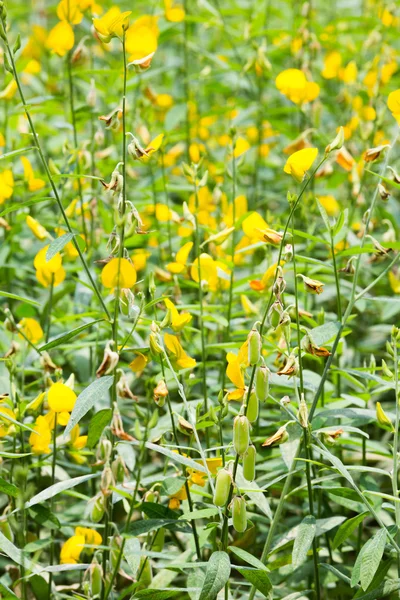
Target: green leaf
x: 6, y: 593
x: 132, y: 554
x: 8, y: 488
x: 57, y: 488
x: 62, y: 339
x: 17, y: 152
x: 325, y: 333
x: 19, y: 298
x: 87, y: 399
x: 96, y: 426
x: 58, y: 244
x: 324, y: 215
x: 176, y: 457
x: 157, y: 594
x: 142, y: 526
x: 157, y: 511
x: 203, y: 513
x: 372, y: 557
x: 258, y: 578
x: 347, y: 528
x: 303, y: 540
x: 385, y: 589
x: 217, y: 574
x: 16, y: 554
x: 171, y: 485
x: 20, y: 205
x: 247, y: 557
x: 44, y: 516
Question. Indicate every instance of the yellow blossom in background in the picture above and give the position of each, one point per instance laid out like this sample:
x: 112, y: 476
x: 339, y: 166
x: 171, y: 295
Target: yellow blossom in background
x: 139, y: 258
x: 31, y: 329
x: 181, y: 259
x: 40, y: 438
x: 48, y: 271
x: 69, y: 10
x: 241, y: 146
x: 61, y: 398
x: 9, y: 91
x: 393, y: 103
x: 174, y: 13
x: 214, y: 273
x: 138, y: 363
x: 71, y: 550
x: 182, y: 360
x: 118, y: 269
x: 332, y: 64
x: 78, y: 441
x: 61, y: 38
x: 34, y: 183
x: 394, y: 280
x: 293, y: 84
x: 6, y: 426
x: 330, y: 204
x: 6, y: 185
x: 298, y: 163
x: 252, y: 224
x: 141, y: 39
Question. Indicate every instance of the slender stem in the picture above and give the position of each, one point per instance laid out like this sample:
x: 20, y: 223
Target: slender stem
x: 306, y: 439
x: 337, y: 281
x: 395, y: 474
x: 49, y: 308
x: 53, y: 475
x: 186, y: 77
x: 296, y: 296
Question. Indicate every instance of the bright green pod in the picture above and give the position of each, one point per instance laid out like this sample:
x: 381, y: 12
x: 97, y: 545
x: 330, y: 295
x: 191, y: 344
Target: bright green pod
x: 96, y: 578
x: 262, y: 383
x: 249, y: 463
x: 254, y: 346
x: 241, y: 434
x: 222, y: 487
x: 239, y: 516
x: 252, y: 408
x: 274, y: 314
x: 158, y: 544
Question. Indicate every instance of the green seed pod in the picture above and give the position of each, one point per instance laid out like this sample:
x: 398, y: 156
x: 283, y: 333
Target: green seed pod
x: 6, y: 530
x: 241, y: 434
x: 252, y: 408
x: 222, y: 487
x: 239, y: 517
x: 97, y: 512
x: 96, y: 575
x: 158, y: 544
x: 274, y: 314
x: 262, y: 383
x: 254, y: 340
x: 249, y: 463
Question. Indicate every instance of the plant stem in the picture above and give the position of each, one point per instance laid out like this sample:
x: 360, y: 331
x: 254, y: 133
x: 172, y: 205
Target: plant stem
x: 53, y: 474
x: 395, y: 474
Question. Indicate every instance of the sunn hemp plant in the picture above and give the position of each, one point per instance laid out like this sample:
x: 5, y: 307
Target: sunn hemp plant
x: 200, y: 300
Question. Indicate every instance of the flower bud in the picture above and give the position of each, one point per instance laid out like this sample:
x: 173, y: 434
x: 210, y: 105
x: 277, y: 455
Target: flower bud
x: 241, y: 434
x: 92, y: 95
x: 104, y: 450
x: 303, y: 413
x: 386, y: 371
x: 239, y: 516
x: 288, y: 252
x: 223, y: 484
x: 155, y: 347
x: 337, y: 142
x: 98, y: 509
x: 118, y: 470
x: 249, y: 463
x: 106, y: 481
x: 252, y: 408
x: 383, y: 419
x: 254, y: 345
x: 262, y: 383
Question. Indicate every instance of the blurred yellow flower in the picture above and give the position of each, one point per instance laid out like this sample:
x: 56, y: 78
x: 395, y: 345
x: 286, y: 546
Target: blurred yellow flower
x: 181, y: 359
x: 181, y: 258
x: 330, y: 204
x: 332, y: 64
x: 40, y: 439
x: 9, y: 91
x: 48, y: 271
x: 71, y: 550
x: 34, y: 183
x: 140, y: 42
x: 69, y: 10
x: 176, y: 13
x: 5, y: 424
x: 31, y: 329
x: 126, y: 275
x: 178, y: 321
x: 394, y: 280
x: 299, y: 162
x: 61, y: 38
x: 112, y: 24
x: 393, y: 103
x: 6, y: 185
x: 293, y: 84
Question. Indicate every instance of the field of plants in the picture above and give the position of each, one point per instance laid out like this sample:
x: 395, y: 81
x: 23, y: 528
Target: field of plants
x: 199, y: 300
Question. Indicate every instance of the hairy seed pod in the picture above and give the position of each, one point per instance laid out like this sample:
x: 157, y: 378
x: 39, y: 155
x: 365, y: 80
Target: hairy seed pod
x: 239, y: 517
x: 241, y: 434
x: 252, y: 408
x: 222, y: 487
x: 96, y: 575
x: 254, y: 341
x: 97, y: 512
x: 274, y: 314
x: 249, y: 463
x: 262, y: 383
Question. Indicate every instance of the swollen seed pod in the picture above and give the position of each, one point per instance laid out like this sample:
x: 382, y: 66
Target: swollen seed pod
x: 262, y: 383
x: 254, y: 341
x: 239, y: 516
x: 96, y: 575
x: 97, y: 509
x: 252, y: 408
x: 241, y: 434
x: 274, y: 314
x: 222, y: 487
x: 249, y: 463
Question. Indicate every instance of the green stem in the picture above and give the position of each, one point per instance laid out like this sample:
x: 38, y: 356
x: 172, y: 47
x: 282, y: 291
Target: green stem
x: 53, y: 474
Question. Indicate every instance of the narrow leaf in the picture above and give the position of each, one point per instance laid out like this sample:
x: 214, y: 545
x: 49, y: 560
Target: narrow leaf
x: 303, y: 540
x: 372, y: 557
x: 217, y: 574
x: 96, y: 426
x: 57, y: 488
x: 87, y: 399
x: 260, y: 580
x: 58, y: 244
x: 62, y: 339
x: 347, y: 528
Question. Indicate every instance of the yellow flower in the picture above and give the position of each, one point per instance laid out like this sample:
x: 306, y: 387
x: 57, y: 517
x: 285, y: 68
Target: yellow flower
x: 5, y: 424
x: 37, y: 229
x: 9, y: 91
x: 6, y: 185
x: 349, y: 73
x: 141, y: 41
x: 34, y: 184
x: 332, y: 64
x: 127, y: 274
x: 394, y: 280
x: 31, y: 328
x: 164, y: 101
x: 61, y: 38
x: 293, y: 84
x: 46, y: 272
x: 394, y: 104
x: 178, y: 321
x: 139, y: 258
x: 139, y: 363
x: 92, y: 537
x: 71, y: 550
x: 241, y: 146
x: 299, y: 162
x: 69, y: 10
x: 180, y: 259
x: 213, y: 272
x: 176, y: 13
x: 330, y: 204
x: 252, y: 224
x: 40, y: 440
x: 182, y: 360
x: 61, y: 398
x: 78, y: 441
x: 112, y: 24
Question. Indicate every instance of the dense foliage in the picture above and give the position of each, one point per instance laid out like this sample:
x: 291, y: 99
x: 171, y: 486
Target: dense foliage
x: 199, y: 212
